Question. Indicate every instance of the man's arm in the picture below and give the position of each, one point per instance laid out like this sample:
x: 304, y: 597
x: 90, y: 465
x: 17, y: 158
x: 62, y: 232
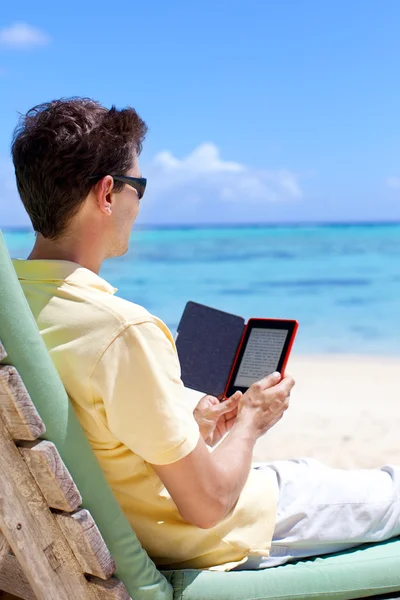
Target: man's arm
x: 206, y: 485
x: 137, y: 379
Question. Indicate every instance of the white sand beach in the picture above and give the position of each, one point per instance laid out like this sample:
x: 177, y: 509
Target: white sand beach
x: 345, y: 411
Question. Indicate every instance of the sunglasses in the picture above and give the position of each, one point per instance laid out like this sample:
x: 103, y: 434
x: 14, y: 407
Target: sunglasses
x: 138, y: 183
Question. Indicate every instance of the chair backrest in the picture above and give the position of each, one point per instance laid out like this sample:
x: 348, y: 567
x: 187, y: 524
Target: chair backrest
x: 28, y: 354
x: 49, y: 547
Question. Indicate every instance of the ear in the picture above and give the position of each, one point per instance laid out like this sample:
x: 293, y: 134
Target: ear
x: 102, y: 190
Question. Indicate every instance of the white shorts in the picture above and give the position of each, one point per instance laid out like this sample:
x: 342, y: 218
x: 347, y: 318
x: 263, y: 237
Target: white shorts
x: 323, y: 510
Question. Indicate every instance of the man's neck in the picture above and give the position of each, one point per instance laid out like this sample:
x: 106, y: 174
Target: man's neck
x: 82, y: 253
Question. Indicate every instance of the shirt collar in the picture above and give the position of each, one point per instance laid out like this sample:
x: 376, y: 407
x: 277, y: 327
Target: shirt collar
x: 59, y: 271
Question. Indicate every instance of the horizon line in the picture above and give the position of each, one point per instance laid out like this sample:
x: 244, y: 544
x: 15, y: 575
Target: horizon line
x: 280, y: 224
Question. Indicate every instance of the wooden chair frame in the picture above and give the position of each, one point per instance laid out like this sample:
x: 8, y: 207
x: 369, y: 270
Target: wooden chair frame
x: 50, y: 549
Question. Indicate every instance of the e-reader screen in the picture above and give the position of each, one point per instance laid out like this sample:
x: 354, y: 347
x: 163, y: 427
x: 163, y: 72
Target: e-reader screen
x: 261, y: 355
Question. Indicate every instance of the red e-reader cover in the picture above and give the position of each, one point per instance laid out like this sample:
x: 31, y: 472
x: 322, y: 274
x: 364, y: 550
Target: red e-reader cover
x: 207, y: 341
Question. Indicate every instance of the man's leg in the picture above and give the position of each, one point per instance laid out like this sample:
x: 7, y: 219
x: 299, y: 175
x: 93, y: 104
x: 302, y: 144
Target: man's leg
x: 323, y: 510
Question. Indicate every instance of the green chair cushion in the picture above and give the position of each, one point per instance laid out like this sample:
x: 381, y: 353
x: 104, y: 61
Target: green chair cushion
x: 27, y: 352
x: 362, y: 572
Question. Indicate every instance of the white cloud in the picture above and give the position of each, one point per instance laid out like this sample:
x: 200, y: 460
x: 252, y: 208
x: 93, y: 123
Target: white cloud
x: 204, y: 159
x: 393, y: 182
x: 22, y: 36
x: 202, y: 187
x: 205, y: 171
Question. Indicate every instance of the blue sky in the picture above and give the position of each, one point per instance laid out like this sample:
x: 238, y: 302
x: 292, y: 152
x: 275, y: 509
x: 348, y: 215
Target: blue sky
x: 259, y: 110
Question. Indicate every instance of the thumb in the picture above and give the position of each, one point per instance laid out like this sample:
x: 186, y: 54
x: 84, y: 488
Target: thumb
x: 229, y: 404
x: 236, y: 397
x: 269, y: 381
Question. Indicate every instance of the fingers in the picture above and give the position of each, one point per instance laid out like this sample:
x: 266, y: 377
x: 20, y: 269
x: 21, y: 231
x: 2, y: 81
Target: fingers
x: 229, y: 405
x: 285, y: 386
x: 275, y: 381
x: 265, y: 402
x: 275, y: 398
x: 268, y: 381
x: 210, y: 399
x: 278, y: 408
x: 281, y: 394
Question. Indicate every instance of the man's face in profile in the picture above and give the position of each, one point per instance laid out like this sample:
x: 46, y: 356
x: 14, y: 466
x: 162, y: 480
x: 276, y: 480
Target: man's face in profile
x: 125, y: 209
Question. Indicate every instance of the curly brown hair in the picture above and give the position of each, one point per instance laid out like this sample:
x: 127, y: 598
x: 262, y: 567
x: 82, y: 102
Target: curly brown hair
x: 58, y: 146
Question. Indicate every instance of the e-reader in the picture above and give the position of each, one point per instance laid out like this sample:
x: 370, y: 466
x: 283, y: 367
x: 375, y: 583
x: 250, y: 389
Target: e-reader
x: 265, y: 347
x: 219, y: 353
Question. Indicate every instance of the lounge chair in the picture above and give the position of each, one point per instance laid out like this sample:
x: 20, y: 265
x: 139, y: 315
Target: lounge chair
x: 53, y: 549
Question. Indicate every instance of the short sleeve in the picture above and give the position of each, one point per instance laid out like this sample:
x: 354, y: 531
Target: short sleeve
x: 138, y: 380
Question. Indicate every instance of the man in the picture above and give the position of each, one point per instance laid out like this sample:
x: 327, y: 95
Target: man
x: 77, y: 172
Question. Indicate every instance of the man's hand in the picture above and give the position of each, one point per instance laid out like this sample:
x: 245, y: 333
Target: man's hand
x: 264, y: 403
x: 216, y: 418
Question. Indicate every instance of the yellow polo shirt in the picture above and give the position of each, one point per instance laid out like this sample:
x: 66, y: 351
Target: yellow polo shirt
x: 120, y: 368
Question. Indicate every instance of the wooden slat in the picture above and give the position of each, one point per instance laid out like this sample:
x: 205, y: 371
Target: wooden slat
x: 87, y: 543
x: 51, y: 475
x: 32, y: 531
x: 16, y: 407
x: 4, y: 547
x: 3, y: 352
x: 112, y: 589
x: 14, y: 581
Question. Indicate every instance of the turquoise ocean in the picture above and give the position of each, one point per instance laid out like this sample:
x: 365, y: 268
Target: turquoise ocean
x: 341, y: 282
